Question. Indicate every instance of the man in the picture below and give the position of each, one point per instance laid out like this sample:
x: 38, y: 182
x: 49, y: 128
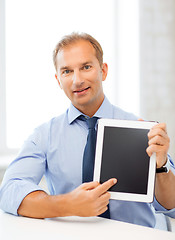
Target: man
x: 56, y: 149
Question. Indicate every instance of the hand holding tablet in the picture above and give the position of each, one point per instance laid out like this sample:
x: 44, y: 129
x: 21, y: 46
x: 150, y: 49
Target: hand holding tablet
x: 121, y: 154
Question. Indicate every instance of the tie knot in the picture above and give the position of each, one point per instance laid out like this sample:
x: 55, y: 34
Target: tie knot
x: 91, y: 122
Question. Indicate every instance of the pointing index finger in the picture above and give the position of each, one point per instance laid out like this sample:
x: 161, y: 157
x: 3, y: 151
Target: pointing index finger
x: 102, y: 188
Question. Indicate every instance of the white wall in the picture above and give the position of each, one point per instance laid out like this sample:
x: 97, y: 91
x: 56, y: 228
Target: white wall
x: 157, y: 61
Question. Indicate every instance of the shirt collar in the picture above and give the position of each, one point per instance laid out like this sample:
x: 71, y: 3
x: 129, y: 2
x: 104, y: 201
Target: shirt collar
x: 105, y: 111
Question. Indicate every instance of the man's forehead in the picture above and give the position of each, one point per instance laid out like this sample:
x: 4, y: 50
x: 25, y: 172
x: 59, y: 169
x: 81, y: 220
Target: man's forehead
x: 80, y: 52
x: 77, y: 46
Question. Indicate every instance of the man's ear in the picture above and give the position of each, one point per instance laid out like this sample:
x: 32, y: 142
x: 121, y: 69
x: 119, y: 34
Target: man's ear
x: 59, y: 83
x: 104, y: 71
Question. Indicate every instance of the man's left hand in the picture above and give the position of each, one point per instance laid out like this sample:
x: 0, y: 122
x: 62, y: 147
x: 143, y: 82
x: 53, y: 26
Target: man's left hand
x: 158, y: 143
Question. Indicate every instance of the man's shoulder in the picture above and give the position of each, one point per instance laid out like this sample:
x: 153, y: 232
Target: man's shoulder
x: 54, y: 122
x: 59, y: 119
x: 42, y: 134
x: 121, y: 114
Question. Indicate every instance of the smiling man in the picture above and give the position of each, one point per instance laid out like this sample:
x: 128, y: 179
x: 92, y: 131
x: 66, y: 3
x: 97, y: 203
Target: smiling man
x: 57, y: 149
x: 80, y: 75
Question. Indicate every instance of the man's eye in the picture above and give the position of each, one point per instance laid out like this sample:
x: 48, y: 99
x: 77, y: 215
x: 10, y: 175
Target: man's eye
x: 87, y: 67
x: 66, y: 71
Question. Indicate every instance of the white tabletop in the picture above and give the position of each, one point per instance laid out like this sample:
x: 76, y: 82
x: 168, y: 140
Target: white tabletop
x: 75, y: 228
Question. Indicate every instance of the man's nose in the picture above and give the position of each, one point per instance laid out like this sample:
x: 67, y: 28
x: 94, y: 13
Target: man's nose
x: 77, y: 78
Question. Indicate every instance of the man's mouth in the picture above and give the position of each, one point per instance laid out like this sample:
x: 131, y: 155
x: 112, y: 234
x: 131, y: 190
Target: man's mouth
x: 81, y: 90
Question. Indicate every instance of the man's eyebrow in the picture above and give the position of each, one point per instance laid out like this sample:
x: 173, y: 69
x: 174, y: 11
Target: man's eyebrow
x: 85, y: 63
x: 64, y: 67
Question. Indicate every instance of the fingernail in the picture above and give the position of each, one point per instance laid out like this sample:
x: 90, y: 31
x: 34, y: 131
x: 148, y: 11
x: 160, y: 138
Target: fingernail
x: 115, y: 181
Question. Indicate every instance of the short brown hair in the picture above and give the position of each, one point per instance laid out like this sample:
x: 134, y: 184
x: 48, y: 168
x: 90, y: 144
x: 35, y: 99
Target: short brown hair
x: 74, y: 37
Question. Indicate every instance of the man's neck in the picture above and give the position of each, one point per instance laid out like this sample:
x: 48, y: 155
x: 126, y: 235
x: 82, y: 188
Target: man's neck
x: 91, y: 109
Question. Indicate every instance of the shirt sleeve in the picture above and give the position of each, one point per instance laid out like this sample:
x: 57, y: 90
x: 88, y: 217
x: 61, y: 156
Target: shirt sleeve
x: 159, y: 208
x: 24, y: 173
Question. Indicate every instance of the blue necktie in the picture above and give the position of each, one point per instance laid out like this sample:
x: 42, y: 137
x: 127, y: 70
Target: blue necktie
x: 89, y: 151
x: 89, y: 155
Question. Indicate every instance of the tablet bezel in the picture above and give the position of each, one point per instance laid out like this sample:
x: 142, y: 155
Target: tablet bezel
x: 98, y: 156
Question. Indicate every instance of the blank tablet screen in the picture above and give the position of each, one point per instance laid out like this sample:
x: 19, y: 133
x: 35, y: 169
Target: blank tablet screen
x: 124, y: 157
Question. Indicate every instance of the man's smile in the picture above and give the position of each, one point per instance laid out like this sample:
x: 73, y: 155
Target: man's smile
x: 81, y: 91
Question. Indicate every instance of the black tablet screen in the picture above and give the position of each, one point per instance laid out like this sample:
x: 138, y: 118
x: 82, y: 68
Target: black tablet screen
x: 124, y: 157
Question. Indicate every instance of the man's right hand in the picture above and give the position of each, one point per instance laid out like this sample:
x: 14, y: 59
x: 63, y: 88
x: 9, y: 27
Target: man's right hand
x: 90, y: 199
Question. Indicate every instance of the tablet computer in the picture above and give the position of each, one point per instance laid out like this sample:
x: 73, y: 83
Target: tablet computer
x: 121, y: 154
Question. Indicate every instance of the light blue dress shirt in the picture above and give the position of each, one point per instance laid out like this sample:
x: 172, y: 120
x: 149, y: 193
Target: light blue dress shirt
x: 55, y: 150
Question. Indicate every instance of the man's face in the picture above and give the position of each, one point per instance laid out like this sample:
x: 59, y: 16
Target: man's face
x: 80, y: 76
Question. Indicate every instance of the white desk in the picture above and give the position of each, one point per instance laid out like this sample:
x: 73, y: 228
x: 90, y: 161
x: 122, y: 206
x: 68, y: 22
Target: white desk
x: 75, y: 228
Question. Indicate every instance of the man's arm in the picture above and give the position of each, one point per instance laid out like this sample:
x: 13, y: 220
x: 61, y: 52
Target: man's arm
x: 165, y: 189
x: 89, y: 199
x: 165, y: 182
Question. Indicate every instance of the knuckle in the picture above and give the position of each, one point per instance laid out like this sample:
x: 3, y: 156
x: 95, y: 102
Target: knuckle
x: 157, y: 138
x: 108, y: 195
x: 149, y: 134
x: 84, y: 185
x: 105, y: 208
x: 147, y: 150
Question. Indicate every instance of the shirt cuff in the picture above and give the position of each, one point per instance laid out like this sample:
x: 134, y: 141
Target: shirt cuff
x: 160, y: 209
x: 170, y: 164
